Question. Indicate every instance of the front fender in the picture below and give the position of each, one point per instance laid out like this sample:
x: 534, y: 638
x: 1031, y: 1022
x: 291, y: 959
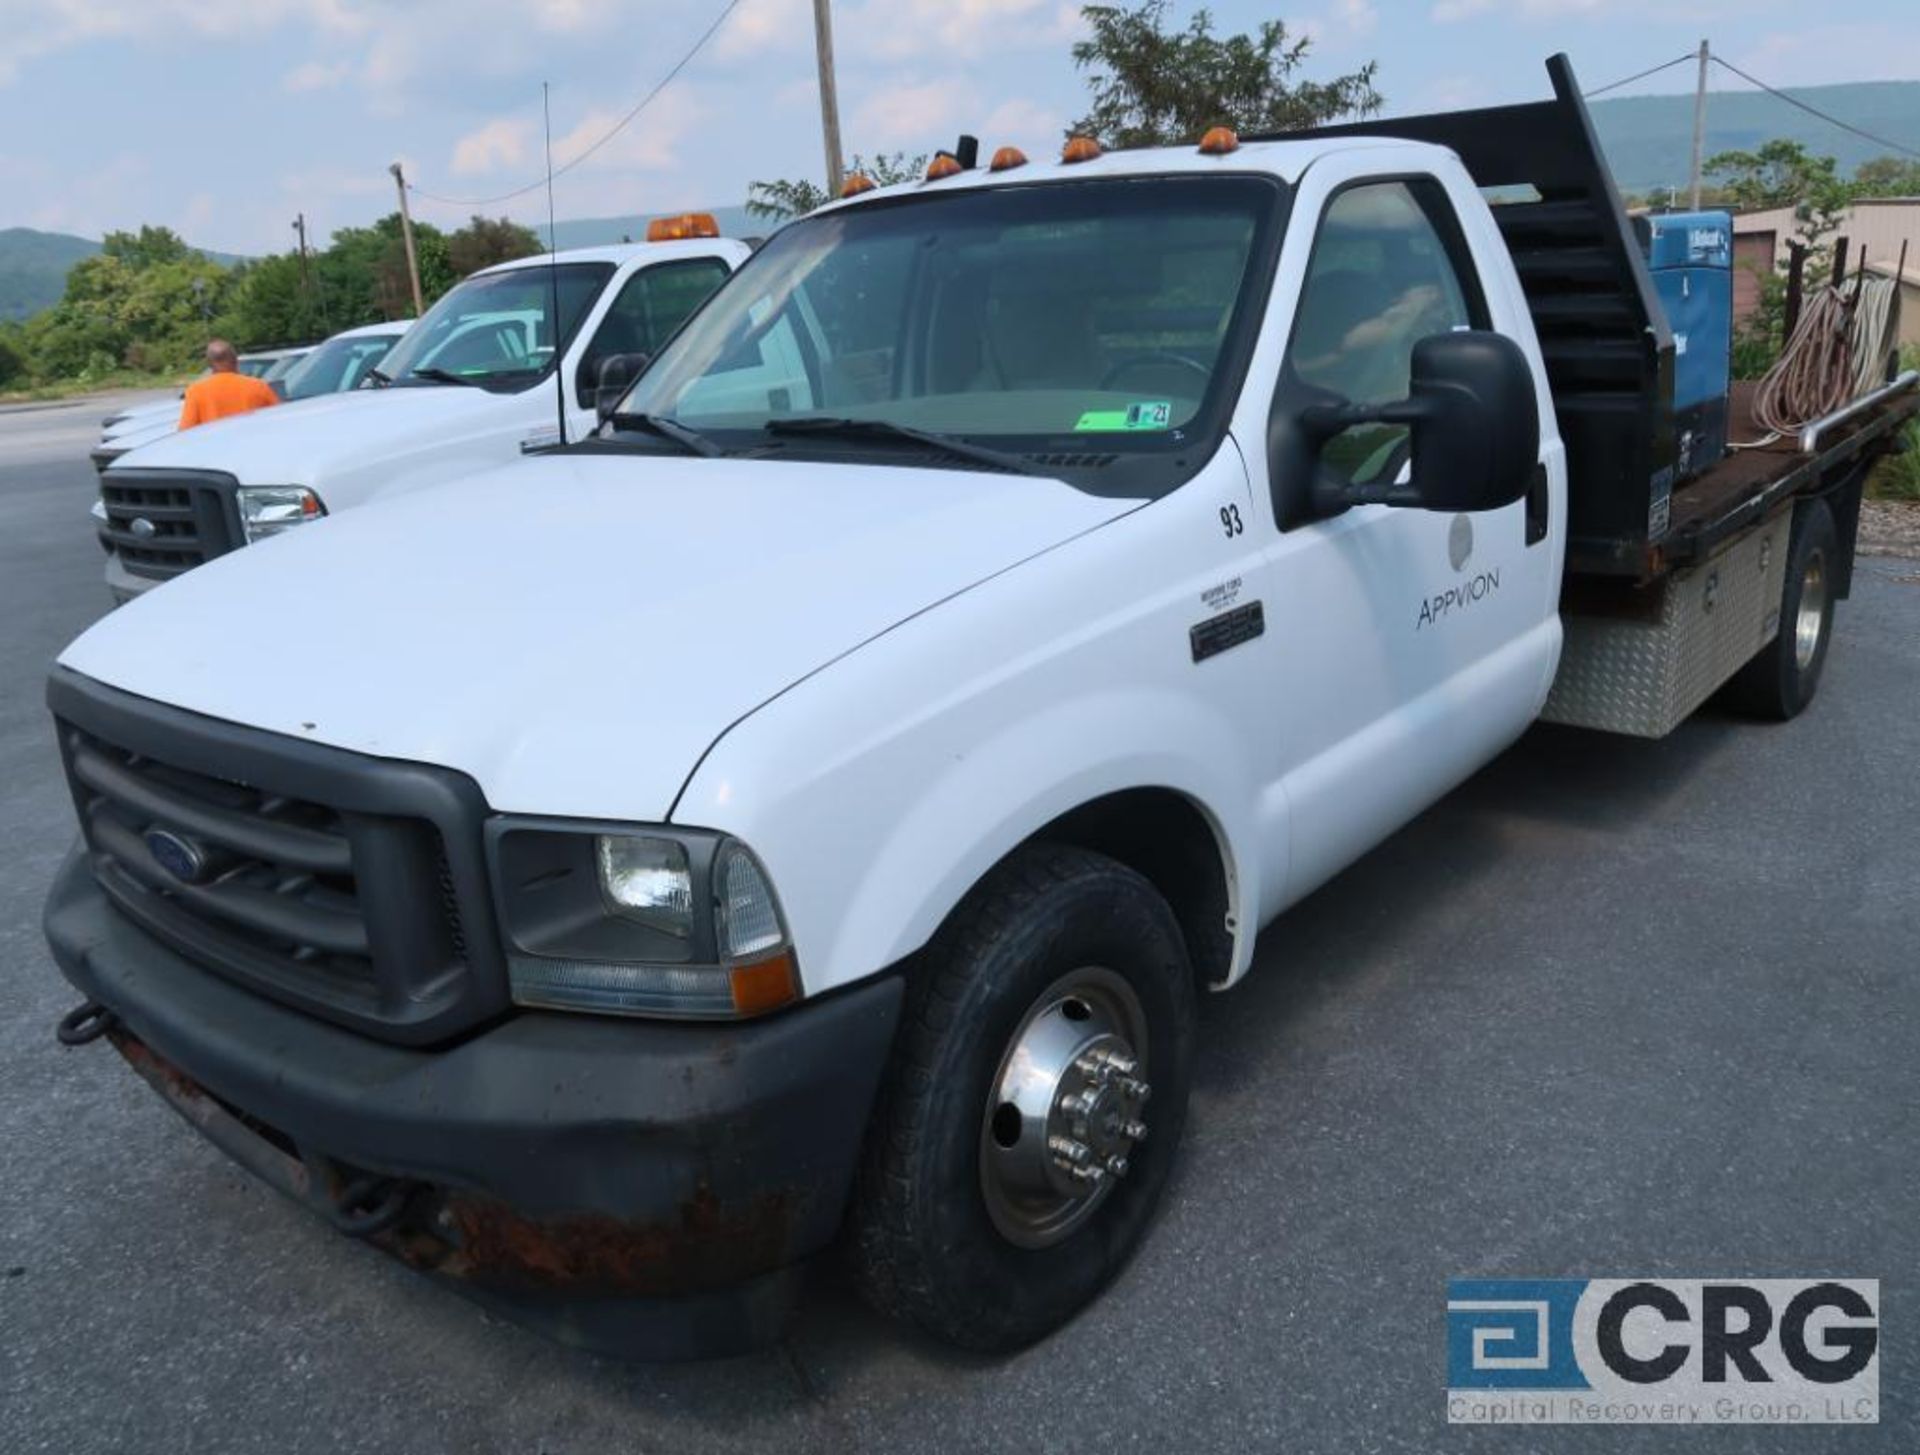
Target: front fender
x: 978, y: 806
x: 879, y: 791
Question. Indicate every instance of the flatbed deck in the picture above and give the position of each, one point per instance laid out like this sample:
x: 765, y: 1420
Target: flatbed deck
x: 1750, y: 483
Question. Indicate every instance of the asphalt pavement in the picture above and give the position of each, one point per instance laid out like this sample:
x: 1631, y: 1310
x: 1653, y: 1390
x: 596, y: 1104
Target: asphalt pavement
x: 1613, y: 1008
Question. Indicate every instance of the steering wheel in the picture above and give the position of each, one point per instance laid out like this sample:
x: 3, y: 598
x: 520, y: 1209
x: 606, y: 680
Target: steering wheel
x: 1157, y: 356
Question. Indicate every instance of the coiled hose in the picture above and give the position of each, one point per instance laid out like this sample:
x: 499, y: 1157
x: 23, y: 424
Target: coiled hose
x: 1838, y: 352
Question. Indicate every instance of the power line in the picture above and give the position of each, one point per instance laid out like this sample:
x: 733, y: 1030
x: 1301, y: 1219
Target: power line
x: 1640, y: 75
x: 1816, y: 111
x: 618, y: 127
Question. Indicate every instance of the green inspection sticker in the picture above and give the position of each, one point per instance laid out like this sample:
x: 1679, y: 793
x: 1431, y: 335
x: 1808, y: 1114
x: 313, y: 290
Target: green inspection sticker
x: 1155, y: 415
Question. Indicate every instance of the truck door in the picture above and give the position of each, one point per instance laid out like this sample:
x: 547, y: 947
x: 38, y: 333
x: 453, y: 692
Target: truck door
x: 653, y: 302
x: 1422, y: 640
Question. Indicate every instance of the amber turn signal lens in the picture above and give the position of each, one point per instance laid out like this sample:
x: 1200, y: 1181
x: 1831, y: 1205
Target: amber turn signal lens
x: 856, y: 184
x: 764, y: 985
x: 1006, y: 159
x: 1079, y: 149
x: 943, y: 166
x: 1219, y: 141
x: 686, y: 225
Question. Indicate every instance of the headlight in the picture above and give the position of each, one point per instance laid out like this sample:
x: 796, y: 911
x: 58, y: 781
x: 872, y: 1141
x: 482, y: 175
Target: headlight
x: 98, y: 510
x: 266, y: 510
x: 677, y: 923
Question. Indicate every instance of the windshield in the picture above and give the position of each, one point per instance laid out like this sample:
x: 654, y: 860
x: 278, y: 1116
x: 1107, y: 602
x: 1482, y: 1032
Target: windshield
x: 1086, y: 316
x: 255, y: 365
x: 496, y: 329
x: 283, y: 366
x: 339, y: 363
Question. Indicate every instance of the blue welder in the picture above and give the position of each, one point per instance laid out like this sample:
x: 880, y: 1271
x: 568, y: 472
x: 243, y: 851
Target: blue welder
x: 1690, y: 255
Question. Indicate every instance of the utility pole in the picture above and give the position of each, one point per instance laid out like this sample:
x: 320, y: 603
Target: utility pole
x: 1699, y: 124
x: 829, y: 98
x: 406, y: 232
x: 300, y: 227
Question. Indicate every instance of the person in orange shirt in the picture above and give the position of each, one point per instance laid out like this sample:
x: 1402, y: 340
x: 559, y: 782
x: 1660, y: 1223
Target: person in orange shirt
x: 225, y: 391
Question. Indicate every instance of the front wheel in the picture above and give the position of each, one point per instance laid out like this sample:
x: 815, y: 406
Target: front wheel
x: 1782, y: 677
x: 1036, y: 1098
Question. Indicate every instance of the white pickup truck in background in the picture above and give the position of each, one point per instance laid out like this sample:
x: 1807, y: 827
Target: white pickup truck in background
x: 820, y: 798
x: 466, y: 388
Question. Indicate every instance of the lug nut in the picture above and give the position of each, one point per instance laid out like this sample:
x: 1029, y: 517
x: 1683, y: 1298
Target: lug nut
x: 1117, y: 1165
x: 1135, y: 1131
x: 1069, y: 1151
x: 1095, y: 1175
x: 1134, y: 1087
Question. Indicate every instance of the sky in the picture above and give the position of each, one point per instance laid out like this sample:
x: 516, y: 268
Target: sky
x: 224, y: 118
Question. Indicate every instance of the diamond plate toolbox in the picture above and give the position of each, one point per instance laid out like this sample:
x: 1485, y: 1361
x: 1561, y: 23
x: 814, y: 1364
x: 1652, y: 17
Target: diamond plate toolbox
x: 1643, y: 677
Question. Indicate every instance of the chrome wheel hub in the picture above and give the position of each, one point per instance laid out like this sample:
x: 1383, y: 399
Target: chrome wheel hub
x: 1812, y: 616
x: 1066, y: 1108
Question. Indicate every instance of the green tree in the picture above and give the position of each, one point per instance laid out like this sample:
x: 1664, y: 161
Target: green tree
x: 1887, y: 177
x: 1783, y: 173
x: 363, y: 271
x: 146, y: 247
x: 1157, y: 87
x: 275, y: 301
x: 485, y: 241
x: 796, y: 197
x: 145, y: 301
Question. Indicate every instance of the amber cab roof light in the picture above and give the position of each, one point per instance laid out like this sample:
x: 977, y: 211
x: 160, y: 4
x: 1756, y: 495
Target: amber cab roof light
x: 686, y: 225
x: 1079, y: 149
x: 1219, y: 141
x: 857, y: 183
x: 1006, y: 159
x: 944, y: 164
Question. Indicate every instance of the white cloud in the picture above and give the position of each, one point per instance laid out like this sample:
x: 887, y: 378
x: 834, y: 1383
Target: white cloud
x: 650, y: 143
x: 1827, y: 55
x: 762, y: 24
x: 315, y: 76
x: 1035, y: 129
x: 897, y: 29
x: 905, y: 116
x: 500, y: 143
x: 1356, y: 17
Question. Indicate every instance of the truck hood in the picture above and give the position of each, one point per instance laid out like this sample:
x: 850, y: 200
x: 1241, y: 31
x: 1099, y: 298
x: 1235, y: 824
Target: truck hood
x: 310, y: 440
x: 573, y: 631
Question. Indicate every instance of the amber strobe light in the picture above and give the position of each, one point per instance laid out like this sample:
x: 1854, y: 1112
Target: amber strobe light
x: 686, y: 225
x: 1079, y: 149
x: 1218, y: 141
x: 1006, y: 159
x: 944, y: 164
x: 857, y: 183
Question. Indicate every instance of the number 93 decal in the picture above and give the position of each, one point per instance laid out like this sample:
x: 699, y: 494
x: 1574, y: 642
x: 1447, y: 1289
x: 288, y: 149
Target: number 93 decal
x: 1230, y: 521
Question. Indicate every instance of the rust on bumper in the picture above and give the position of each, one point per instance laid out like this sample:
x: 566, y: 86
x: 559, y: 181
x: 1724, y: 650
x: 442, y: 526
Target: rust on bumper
x: 467, y: 1237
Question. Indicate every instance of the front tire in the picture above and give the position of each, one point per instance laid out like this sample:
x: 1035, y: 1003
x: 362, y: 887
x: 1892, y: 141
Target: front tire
x: 1037, y: 1095
x: 1784, y: 675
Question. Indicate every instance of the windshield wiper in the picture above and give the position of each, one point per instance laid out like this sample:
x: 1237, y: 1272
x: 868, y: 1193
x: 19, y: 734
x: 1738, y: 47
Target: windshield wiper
x: 380, y: 377
x: 444, y: 376
x: 670, y: 429
x: 827, y: 425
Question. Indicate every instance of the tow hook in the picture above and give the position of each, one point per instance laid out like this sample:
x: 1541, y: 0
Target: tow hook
x: 370, y: 1205
x: 84, y: 1023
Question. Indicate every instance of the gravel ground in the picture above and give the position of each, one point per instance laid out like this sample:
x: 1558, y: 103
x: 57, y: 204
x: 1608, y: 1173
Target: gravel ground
x: 1890, y: 528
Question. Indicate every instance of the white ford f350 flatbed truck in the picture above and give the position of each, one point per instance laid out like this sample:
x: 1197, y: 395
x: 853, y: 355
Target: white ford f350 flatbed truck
x: 810, y: 808
x: 464, y: 390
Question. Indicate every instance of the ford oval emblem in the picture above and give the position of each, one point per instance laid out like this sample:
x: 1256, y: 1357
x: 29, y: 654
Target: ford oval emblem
x: 143, y: 528
x: 180, y: 857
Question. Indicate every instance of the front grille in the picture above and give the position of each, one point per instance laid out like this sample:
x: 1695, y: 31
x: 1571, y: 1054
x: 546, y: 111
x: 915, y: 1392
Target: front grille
x: 350, y: 909
x: 163, y: 522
